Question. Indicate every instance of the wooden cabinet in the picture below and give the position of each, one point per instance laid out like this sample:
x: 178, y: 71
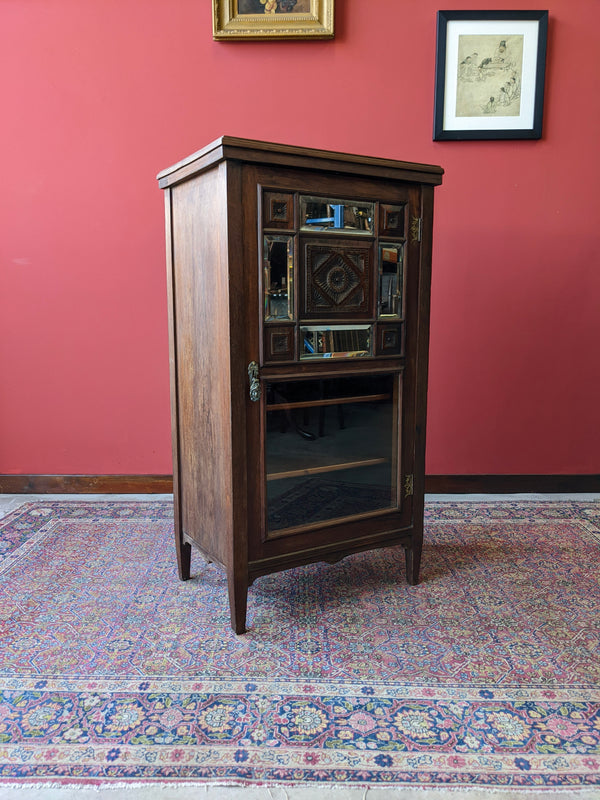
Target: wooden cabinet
x: 299, y: 313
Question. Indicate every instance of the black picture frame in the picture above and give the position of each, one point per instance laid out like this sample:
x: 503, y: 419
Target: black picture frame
x: 490, y: 74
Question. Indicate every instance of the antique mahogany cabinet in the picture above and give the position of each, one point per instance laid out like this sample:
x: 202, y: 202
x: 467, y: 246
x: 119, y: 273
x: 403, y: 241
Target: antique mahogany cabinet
x: 299, y: 323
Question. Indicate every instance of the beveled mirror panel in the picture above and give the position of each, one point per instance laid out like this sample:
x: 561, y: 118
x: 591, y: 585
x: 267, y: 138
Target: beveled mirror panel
x: 278, y: 277
x: 390, y: 300
x: 339, y: 341
x: 326, y: 214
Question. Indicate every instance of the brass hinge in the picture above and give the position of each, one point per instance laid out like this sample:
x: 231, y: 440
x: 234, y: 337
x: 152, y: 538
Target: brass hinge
x: 409, y: 485
x: 416, y: 229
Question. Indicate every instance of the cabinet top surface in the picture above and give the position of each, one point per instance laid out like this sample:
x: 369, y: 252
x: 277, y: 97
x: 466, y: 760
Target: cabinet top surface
x: 258, y: 152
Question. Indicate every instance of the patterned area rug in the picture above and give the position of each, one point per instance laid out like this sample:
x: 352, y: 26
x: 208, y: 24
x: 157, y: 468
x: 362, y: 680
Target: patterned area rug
x: 485, y: 675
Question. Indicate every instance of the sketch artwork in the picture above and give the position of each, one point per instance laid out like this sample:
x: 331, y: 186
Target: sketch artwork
x: 488, y: 82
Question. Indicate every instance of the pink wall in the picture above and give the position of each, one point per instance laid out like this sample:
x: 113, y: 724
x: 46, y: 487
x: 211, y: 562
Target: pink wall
x: 98, y: 96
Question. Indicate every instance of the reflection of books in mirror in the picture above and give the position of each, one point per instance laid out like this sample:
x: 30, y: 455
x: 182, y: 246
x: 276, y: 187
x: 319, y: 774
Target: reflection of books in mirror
x: 389, y: 299
x: 347, y: 354
x: 341, y: 340
x: 279, y: 304
x: 389, y: 255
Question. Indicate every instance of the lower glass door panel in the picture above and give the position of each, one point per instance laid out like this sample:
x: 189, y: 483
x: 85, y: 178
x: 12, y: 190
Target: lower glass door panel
x: 331, y: 449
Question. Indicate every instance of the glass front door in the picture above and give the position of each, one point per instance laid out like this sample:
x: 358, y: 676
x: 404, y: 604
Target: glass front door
x: 331, y: 449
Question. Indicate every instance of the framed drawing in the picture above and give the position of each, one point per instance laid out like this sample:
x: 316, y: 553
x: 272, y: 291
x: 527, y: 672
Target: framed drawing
x: 272, y: 19
x: 489, y: 77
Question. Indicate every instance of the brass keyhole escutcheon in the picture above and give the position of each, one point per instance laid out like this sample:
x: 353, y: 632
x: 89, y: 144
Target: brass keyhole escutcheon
x: 254, y: 381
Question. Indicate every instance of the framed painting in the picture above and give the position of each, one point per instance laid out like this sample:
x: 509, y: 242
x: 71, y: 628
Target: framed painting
x: 490, y: 69
x: 272, y: 19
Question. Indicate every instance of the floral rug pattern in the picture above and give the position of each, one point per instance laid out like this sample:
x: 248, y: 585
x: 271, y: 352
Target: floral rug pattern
x: 486, y: 674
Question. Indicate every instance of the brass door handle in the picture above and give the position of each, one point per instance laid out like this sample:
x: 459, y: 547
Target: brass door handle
x: 254, y: 381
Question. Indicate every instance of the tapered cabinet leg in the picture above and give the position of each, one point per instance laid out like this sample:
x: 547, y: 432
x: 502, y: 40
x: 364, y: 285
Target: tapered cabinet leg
x: 184, y: 558
x: 183, y: 548
x: 238, y: 599
x: 413, y: 562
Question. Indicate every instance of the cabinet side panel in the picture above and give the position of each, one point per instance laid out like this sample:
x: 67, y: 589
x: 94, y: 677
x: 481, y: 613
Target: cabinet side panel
x: 182, y: 549
x: 203, y: 364
x: 424, y: 303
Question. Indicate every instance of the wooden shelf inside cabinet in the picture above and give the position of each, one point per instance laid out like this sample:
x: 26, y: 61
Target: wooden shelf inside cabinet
x: 299, y: 315
x: 332, y: 401
x: 294, y: 473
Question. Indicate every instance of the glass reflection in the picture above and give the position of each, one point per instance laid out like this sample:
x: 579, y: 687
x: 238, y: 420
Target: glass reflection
x: 391, y: 282
x: 330, y: 449
x: 335, y: 341
x: 278, y: 259
x: 326, y: 214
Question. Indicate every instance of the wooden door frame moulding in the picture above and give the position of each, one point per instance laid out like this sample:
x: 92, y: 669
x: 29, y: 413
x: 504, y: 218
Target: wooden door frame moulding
x: 163, y: 484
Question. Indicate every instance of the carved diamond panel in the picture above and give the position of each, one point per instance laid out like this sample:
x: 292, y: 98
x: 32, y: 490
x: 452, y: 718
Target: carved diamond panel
x: 337, y: 279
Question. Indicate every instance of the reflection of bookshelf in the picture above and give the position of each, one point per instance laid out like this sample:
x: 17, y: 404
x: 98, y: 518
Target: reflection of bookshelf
x: 388, y: 293
x: 278, y: 304
x: 335, y: 219
x: 341, y: 341
x: 336, y: 215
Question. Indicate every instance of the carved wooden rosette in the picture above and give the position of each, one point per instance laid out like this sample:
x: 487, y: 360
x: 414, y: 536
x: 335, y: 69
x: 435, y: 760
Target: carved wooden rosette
x: 337, y: 279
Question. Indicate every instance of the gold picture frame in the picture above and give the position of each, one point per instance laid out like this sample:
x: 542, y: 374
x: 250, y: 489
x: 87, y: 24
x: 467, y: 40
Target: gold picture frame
x: 272, y: 19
